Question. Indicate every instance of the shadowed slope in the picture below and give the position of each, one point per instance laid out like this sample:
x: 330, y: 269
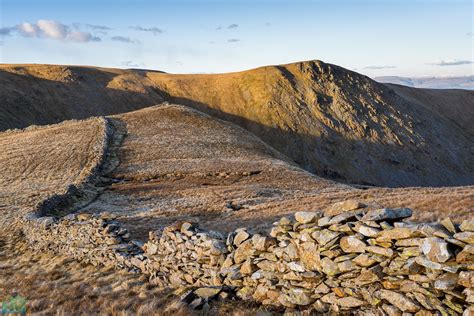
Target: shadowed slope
x: 455, y: 105
x: 45, y: 94
x: 337, y: 123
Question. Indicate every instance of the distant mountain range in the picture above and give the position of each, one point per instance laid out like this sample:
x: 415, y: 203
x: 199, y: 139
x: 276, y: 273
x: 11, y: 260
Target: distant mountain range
x: 466, y: 82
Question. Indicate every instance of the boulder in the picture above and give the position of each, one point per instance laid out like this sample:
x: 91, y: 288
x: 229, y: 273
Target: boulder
x: 307, y: 217
x: 240, y: 236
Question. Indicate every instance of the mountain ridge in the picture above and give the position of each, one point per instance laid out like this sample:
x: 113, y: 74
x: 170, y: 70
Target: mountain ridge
x: 333, y: 122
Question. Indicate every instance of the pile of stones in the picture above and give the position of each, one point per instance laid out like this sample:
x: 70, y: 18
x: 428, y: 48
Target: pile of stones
x: 369, y: 261
x: 350, y: 258
x: 184, y: 255
x: 364, y: 260
x: 90, y: 238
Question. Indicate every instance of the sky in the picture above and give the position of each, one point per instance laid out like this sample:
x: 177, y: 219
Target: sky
x: 377, y: 38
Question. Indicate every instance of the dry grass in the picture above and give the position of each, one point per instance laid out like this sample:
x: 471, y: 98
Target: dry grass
x: 60, y: 286
x: 41, y: 161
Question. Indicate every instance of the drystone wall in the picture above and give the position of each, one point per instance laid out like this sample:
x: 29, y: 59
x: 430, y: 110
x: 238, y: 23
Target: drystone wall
x: 78, y: 194
x: 94, y: 239
x: 349, y: 259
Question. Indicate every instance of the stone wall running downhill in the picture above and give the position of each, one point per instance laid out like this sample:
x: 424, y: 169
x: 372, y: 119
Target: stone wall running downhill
x: 347, y: 259
x: 78, y: 195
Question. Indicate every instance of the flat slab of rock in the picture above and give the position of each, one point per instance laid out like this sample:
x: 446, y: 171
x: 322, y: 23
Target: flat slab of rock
x: 402, y: 302
x: 351, y: 244
x: 349, y: 302
x: 436, y: 249
x: 207, y: 292
x: 467, y: 226
x: 343, y: 206
x: 387, y: 214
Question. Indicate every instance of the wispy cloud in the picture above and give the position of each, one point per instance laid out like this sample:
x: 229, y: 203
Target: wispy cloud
x: 229, y: 27
x: 153, y: 30
x: 131, y: 64
x: 379, y: 67
x: 99, y: 29
x: 470, y: 34
x: 233, y: 40
x: 50, y: 29
x: 453, y: 62
x: 124, y: 39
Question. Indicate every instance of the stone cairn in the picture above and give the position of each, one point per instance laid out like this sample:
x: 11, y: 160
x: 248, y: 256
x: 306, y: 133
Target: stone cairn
x: 366, y: 261
x: 349, y: 259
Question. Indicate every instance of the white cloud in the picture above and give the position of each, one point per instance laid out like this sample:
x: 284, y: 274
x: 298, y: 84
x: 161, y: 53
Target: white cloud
x: 54, y: 30
x: 28, y: 29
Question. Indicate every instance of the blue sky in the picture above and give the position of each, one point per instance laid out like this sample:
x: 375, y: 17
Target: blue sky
x: 407, y: 38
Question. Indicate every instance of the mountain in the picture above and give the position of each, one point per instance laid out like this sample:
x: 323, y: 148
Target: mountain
x: 465, y: 82
x: 337, y: 123
x: 331, y: 121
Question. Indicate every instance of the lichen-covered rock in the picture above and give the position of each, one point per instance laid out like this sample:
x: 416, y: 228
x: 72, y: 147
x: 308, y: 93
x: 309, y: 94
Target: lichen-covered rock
x: 465, y: 236
x: 343, y: 206
x: 436, y: 249
x: 402, y: 302
x: 351, y: 244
